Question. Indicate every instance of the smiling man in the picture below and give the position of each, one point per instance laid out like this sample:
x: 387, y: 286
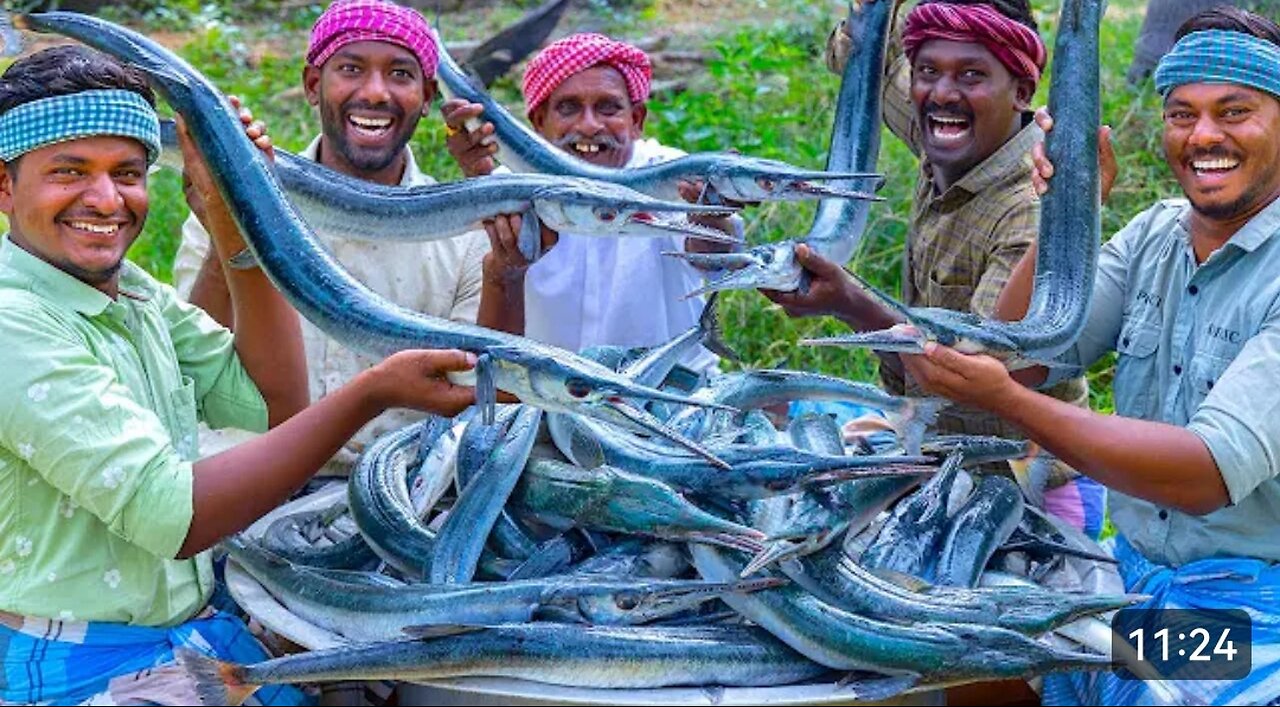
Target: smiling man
x: 959, y: 79
x: 370, y: 68
x: 1187, y: 296
x: 588, y: 94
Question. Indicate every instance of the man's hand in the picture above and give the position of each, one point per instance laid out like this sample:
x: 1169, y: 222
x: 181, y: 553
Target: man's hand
x: 693, y: 192
x: 197, y: 182
x: 1043, y: 172
x: 979, y: 381
x: 473, y: 150
x: 415, y: 379
x: 831, y: 290
x: 505, y: 264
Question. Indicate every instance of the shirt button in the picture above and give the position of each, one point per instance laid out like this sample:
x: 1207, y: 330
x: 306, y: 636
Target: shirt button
x: 1125, y: 341
x: 1193, y: 290
x: 1177, y: 370
x: 1164, y: 515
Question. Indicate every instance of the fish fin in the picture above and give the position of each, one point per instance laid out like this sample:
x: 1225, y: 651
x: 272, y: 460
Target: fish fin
x: 529, y: 240
x: 216, y: 682
x: 868, y: 687
x: 712, y: 334
x: 911, y: 424
x: 243, y: 260
x: 486, y: 389
x: 427, y: 632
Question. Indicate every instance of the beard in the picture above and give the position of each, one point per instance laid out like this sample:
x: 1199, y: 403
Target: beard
x: 365, y: 159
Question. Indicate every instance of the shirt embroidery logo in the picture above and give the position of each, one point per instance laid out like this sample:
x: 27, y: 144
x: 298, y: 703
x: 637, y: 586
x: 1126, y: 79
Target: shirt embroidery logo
x: 112, y: 578
x: 112, y: 476
x: 38, y: 392
x: 23, y: 545
x: 1223, y: 334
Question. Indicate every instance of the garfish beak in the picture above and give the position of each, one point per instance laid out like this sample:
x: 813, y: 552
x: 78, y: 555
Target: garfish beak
x: 714, y: 261
x: 775, y: 551
x: 820, y: 176
x: 652, y: 424
x: 902, y: 338
x: 830, y: 192
x: 650, y: 224
x: 708, y: 589
x: 910, y: 466
x: 743, y: 542
x: 755, y: 275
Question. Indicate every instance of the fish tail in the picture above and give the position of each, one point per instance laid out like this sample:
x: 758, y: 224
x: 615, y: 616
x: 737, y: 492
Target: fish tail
x: 913, y: 419
x: 10, y: 40
x: 216, y: 682
x: 712, y: 334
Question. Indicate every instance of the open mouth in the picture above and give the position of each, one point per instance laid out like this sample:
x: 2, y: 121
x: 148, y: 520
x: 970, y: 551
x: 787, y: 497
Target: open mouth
x: 948, y: 129
x: 1216, y: 167
x: 370, y: 127
x: 96, y: 229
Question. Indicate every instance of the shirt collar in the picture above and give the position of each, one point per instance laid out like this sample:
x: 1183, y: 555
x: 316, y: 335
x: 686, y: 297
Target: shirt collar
x: 1250, y: 237
x: 412, y: 175
x: 1012, y: 156
x: 52, y: 283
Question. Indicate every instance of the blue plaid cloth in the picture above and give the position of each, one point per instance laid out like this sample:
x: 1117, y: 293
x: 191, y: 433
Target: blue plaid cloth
x: 1215, y: 583
x: 65, y: 662
x: 76, y: 115
x: 1220, y: 56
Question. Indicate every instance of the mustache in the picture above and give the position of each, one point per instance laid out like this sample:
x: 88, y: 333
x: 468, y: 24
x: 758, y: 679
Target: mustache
x: 391, y: 108
x: 604, y: 140
x: 945, y: 111
x: 1213, y: 153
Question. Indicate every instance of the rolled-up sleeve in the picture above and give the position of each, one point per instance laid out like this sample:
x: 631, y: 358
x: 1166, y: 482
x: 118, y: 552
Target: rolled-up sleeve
x: 466, y: 299
x: 190, y: 256
x: 77, y: 427
x: 1239, y: 424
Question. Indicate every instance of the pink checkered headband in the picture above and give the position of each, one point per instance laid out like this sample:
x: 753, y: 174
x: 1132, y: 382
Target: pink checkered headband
x: 577, y: 53
x: 1014, y: 44
x: 348, y: 21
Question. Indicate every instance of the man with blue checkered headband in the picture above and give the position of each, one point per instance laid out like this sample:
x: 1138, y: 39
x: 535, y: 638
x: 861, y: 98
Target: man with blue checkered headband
x: 106, y: 513
x: 1188, y: 296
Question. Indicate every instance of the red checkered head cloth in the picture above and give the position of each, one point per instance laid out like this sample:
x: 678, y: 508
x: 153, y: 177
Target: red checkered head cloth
x: 577, y: 53
x: 348, y: 21
x: 1014, y: 44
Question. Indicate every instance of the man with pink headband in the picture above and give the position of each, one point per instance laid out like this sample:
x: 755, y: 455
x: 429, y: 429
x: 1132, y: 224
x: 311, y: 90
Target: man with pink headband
x: 959, y: 78
x: 586, y: 94
x: 370, y: 69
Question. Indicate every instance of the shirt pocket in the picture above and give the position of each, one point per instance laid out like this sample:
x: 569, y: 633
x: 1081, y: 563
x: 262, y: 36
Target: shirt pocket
x: 1136, y: 381
x: 183, y: 419
x: 1206, y: 369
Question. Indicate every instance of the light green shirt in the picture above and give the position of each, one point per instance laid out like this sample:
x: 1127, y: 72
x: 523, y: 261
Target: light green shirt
x: 98, y: 406
x: 1199, y: 347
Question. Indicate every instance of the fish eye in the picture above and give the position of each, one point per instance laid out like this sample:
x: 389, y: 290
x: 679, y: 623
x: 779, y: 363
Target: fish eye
x: 766, y: 183
x: 626, y: 602
x: 577, y: 388
x: 606, y: 214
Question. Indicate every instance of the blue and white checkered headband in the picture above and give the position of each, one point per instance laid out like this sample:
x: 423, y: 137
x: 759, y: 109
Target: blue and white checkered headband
x: 77, y: 115
x: 1220, y: 56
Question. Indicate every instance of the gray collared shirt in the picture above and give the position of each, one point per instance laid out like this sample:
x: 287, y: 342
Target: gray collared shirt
x: 1199, y: 347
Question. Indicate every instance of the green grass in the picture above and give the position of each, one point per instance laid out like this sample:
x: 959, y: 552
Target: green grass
x: 764, y: 92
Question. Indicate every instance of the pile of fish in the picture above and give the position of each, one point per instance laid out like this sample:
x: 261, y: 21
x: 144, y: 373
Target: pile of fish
x: 634, y: 524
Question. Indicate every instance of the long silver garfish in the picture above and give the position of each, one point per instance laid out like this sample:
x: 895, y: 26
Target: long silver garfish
x: 356, y: 209
x: 370, y: 609
x: 744, y: 390
x: 510, y: 540
x: 839, y: 224
x: 1070, y: 225
x: 977, y: 530
x: 607, y: 499
x: 319, y: 539
x: 837, y: 579
x: 909, y: 541
x: 951, y: 651
x: 754, y: 471
x: 730, y: 175
x: 556, y: 654
x: 378, y: 496
x: 461, y: 539
x: 317, y: 286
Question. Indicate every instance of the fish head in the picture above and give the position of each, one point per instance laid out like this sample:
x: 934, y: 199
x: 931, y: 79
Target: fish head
x: 591, y: 207
x: 753, y: 179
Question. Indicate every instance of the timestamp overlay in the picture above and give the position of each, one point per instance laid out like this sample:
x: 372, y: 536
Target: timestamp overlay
x: 1185, y: 644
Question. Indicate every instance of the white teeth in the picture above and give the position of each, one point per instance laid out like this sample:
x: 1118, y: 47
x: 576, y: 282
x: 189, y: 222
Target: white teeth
x: 93, y: 228
x: 590, y: 149
x: 948, y: 121
x: 1222, y: 163
x: 374, y: 123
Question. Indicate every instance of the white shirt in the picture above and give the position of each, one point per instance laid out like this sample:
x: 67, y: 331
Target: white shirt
x: 615, y: 291
x: 439, y: 278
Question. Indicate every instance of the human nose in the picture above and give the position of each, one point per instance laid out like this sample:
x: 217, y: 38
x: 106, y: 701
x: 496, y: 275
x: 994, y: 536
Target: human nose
x: 945, y: 90
x: 1205, y: 133
x: 374, y: 89
x: 102, y: 195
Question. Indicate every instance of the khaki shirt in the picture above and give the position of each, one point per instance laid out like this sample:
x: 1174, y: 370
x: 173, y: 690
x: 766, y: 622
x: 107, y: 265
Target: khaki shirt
x: 439, y: 278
